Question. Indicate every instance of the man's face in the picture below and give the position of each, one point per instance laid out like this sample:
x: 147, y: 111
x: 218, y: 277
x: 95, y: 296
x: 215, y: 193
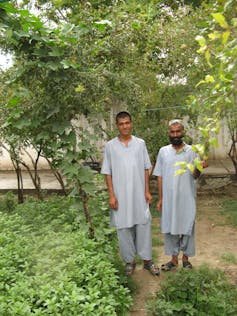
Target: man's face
x: 176, y: 134
x: 124, y: 126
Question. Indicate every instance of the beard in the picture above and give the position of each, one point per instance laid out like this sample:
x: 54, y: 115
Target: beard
x: 176, y: 141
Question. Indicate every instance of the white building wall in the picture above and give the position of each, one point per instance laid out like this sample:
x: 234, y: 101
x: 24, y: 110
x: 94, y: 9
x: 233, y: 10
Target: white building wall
x: 221, y: 152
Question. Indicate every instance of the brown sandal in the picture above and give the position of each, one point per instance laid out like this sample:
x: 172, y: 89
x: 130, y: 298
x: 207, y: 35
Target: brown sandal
x: 168, y: 266
x: 150, y: 266
x: 129, y: 268
x: 187, y: 265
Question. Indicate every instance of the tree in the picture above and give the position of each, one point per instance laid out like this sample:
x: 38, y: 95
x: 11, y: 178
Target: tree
x: 218, y: 97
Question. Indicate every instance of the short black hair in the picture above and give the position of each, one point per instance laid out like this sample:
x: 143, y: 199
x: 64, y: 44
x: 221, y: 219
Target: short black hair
x: 123, y: 114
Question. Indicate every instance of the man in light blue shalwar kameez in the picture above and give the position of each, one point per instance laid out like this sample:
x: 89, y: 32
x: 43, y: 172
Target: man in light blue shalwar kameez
x: 177, y: 197
x: 126, y: 165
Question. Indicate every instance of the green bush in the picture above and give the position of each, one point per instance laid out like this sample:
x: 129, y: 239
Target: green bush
x: 49, y: 266
x: 202, y: 292
x: 8, y: 202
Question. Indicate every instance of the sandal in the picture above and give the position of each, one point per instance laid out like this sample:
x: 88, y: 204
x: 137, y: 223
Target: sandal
x: 168, y: 266
x: 150, y: 266
x: 187, y: 265
x: 129, y: 268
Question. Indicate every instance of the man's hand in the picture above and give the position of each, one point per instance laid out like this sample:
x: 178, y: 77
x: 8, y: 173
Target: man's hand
x: 204, y: 164
x: 148, y: 197
x: 197, y: 172
x: 113, y: 203
x: 159, y: 206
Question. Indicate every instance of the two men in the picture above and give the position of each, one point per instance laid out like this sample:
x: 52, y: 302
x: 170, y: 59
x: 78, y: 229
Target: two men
x: 126, y: 165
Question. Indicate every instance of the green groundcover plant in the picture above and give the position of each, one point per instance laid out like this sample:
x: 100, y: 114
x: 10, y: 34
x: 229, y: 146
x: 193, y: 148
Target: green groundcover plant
x: 49, y: 266
x: 228, y: 209
x: 201, y: 292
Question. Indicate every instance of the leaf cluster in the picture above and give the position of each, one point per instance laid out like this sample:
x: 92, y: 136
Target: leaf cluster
x: 201, y: 292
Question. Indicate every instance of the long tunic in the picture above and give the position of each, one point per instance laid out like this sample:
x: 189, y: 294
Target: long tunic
x: 127, y: 167
x: 178, y: 191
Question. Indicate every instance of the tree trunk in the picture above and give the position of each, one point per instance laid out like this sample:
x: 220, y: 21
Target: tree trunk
x: 84, y: 197
x: 58, y: 176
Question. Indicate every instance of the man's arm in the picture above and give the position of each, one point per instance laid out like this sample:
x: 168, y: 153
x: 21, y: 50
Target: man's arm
x: 113, y: 202
x: 160, y: 193
x: 148, y: 196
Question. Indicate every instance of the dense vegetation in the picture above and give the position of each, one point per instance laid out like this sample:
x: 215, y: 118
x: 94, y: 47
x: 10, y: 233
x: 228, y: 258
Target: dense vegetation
x: 49, y: 266
x: 195, y: 293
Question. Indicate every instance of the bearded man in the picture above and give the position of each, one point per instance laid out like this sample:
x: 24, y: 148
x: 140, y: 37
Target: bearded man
x: 177, y: 197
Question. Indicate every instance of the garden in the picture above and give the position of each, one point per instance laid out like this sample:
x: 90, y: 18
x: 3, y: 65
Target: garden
x: 74, y: 65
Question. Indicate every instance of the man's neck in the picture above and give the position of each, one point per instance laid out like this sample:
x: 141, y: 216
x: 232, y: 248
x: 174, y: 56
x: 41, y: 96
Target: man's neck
x: 178, y: 147
x: 125, y: 139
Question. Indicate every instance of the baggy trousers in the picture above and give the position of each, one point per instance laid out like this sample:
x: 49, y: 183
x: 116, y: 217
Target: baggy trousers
x: 135, y: 240
x: 176, y: 243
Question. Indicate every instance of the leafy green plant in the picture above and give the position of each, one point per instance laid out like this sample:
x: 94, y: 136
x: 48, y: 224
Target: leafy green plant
x: 8, y: 202
x: 196, y: 293
x: 49, y: 266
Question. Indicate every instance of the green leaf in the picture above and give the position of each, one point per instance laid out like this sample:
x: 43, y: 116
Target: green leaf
x: 198, y: 164
x: 179, y: 172
x: 53, y: 66
x: 201, y: 40
x: 190, y: 167
x: 225, y: 37
x: 214, y: 35
x: 199, y: 148
x: 204, y: 131
x: 214, y: 142
x: 209, y: 79
x: 80, y: 88
x: 208, y: 57
x: 220, y: 19
x: 13, y: 102
x: 56, y: 52
x: 52, y: 112
x: 67, y: 64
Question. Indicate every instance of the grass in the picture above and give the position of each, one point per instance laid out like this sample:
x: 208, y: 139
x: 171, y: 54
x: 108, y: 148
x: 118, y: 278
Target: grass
x: 229, y: 257
x: 229, y: 210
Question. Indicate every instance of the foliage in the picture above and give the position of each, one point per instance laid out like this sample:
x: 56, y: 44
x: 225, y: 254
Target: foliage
x: 217, y: 91
x: 48, y: 266
x: 131, y: 55
x: 199, y: 292
x: 37, y: 112
x: 228, y: 209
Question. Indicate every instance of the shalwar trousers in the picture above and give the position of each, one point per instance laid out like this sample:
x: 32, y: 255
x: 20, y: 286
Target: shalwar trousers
x: 174, y: 244
x: 134, y: 241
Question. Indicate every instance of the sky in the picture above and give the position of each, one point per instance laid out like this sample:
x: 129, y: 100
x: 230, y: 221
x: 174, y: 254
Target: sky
x: 5, y: 61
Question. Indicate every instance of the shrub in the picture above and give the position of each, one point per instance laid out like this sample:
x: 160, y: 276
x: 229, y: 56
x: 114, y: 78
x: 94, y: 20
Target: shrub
x: 202, y: 292
x: 49, y: 266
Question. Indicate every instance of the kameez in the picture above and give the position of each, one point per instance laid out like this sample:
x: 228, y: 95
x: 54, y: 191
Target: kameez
x: 178, y: 191
x: 127, y: 165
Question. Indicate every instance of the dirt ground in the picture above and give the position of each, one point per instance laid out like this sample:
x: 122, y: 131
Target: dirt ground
x: 214, y: 237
